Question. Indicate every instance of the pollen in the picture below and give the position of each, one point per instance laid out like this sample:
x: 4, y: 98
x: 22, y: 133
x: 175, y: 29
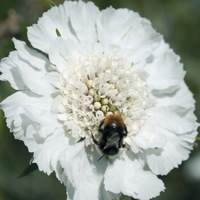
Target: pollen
x: 102, y: 104
x: 97, y: 105
x: 92, y: 92
x: 105, y: 101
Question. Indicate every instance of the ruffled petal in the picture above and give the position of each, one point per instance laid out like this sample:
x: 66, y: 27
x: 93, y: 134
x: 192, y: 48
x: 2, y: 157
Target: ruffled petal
x: 19, y: 101
x: 165, y: 72
x: 24, y: 74
x: 127, y: 175
x: 84, y: 15
x: 49, y: 151
x: 147, y: 138
x: 31, y: 56
x: 35, y: 125
x: 53, y: 24
x: 174, y: 118
x: 84, y: 172
x: 181, y: 96
x: 175, y: 128
x: 126, y: 29
x: 112, y: 25
x: 62, y: 53
x: 66, y: 21
x: 10, y: 72
x: 177, y: 149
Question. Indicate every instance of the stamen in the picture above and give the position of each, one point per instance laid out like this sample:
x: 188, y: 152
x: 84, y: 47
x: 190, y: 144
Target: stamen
x: 99, y: 85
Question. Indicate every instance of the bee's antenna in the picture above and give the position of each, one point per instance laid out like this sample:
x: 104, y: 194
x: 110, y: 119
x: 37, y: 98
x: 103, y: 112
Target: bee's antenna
x: 101, y: 157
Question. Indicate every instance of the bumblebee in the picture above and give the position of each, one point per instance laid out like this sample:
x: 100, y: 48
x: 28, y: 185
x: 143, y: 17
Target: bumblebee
x: 112, y: 131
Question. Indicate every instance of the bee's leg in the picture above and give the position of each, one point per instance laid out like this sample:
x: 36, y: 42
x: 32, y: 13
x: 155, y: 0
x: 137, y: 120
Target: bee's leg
x: 125, y: 146
x: 94, y: 140
x: 101, y: 157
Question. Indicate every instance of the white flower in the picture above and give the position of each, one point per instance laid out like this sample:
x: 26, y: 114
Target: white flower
x: 89, y: 64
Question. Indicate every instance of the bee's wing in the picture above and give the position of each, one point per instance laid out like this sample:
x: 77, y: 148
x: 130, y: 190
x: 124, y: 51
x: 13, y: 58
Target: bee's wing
x: 112, y: 141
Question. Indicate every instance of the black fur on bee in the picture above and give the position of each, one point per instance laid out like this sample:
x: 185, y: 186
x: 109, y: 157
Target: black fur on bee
x: 112, y: 131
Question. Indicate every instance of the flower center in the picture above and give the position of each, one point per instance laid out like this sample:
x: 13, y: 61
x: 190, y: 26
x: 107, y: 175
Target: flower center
x: 97, y: 85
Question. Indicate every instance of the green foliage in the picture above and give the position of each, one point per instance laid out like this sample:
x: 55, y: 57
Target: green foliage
x: 51, y: 3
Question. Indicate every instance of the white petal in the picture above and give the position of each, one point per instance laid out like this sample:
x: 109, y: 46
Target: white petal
x: 19, y: 100
x: 44, y: 33
x: 175, y: 128
x: 173, y: 118
x: 129, y: 31
x: 29, y: 120
x: 112, y: 25
x: 84, y: 172
x: 176, y: 150
x: 25, y: 106
x: 34, y: 58
x: 23, y: 76
x: 128, y: 176
x: 147, y: 138
x: 72, y: 20
x: 141, y: 42
x: 166, y: 72
x: 62, y: 53
x: 36, y: 127
x: 103, y: 194
x: 49, y: 151
x: 182, y: 96
x: 10, y: 72
x: 83, y: 18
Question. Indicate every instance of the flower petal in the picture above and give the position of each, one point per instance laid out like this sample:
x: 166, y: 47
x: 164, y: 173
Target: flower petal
x: 168, y: 136
x: 31, y: 56
x: 176, y: 150
x: 84, y: 15
x: 126, y: 29
x: 128, y: 176
x: 84, y: 172
x: 181, y: 96
x: 176, y: 119
x: 25, y: 76
x: 53, y: 23
x: 112, y: 25
x: 21, y: 100
x: 34, y: 124
x: 62, y: 53
x: 166, y: 72
x: 66, y: 21
x: 49, y: 151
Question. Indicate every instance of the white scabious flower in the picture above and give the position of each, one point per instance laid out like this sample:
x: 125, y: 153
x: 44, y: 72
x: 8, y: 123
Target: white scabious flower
x: 87, y: 64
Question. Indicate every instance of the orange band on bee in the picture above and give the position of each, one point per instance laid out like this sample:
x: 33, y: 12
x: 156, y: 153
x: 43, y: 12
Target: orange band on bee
x: 115, y: 119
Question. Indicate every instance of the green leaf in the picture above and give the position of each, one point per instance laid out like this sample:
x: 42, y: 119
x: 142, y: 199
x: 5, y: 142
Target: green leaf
x: 29, y: 169
x: 51, y: 3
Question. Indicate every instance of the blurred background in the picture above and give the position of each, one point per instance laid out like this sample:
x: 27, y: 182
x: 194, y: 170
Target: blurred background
x: 178, y: 21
